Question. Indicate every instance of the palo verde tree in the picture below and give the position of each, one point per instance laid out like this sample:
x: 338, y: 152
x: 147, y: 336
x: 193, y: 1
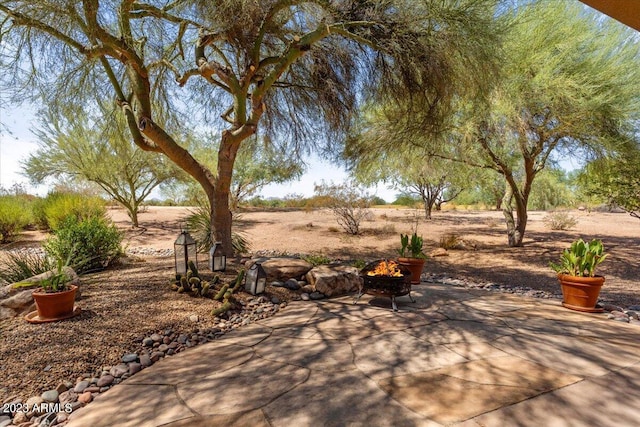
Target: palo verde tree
x: 292, y: 70
x: 99, y: 151
x: 411, y: 170
x: 570, y: 86
x: 615, y: 179
x: 567, y: 86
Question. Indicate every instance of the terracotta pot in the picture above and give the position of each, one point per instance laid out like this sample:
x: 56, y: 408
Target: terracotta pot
x: 56, y: 304
x: 581, y: 293
x: 415, y: 265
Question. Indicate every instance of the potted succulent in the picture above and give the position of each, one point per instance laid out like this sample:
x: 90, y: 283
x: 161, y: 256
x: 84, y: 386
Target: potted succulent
x: 55, y: 296
x: 411, y: 255
x: 577, y: 275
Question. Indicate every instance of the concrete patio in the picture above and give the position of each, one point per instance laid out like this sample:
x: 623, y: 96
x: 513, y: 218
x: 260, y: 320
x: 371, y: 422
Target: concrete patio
x: 455, y: 357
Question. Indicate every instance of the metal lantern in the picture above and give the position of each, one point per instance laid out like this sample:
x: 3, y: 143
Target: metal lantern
x: 184, y: 250
x: 255, y: 280
x: 217, y: 258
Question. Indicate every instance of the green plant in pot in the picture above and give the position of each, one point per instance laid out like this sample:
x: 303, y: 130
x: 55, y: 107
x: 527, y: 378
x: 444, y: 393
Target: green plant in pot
x: 577, y: 275
x: 55, y: 297
x: 411, y: 255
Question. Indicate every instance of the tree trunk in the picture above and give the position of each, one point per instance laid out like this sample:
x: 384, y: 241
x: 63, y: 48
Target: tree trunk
x: 427, y: 208
x: 133, y: 214
x: 221, y: 217
x: 515, y: 226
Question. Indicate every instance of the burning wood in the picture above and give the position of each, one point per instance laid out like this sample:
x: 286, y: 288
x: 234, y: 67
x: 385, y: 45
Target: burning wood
x: 386, y: 268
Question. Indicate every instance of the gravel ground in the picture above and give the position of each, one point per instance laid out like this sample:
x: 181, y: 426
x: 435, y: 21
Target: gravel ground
x: 119, y: 305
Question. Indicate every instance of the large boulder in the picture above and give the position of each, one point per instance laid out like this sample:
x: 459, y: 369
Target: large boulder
x: 283, y: 269
x: 17, y: 300
x: 334, y: 280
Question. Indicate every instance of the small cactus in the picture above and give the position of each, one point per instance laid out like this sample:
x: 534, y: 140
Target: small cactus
x: 205, y: 289
x: 239, y: 280
x: 222, y: 309
x: 193, y: 268
x: 221, y: 292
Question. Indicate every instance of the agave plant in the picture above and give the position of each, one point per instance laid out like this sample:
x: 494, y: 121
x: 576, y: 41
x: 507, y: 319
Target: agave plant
x: 581, y: 258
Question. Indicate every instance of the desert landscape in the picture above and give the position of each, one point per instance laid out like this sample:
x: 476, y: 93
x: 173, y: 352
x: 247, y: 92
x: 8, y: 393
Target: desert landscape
x: 132, y: 299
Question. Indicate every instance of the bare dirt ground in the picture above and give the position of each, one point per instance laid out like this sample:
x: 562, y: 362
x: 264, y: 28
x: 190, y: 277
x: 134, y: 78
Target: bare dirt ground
x: 133, y: 299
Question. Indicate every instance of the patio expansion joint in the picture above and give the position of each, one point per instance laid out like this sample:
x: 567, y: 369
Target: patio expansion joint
x: 176, y: 394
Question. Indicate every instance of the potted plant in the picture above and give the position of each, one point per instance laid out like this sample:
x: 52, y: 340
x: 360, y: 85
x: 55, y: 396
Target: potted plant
x: 576, y: 273
x: 55, y: 297
x: 411, y: 255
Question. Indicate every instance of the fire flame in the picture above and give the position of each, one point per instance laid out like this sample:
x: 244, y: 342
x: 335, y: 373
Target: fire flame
x: 386, y: 268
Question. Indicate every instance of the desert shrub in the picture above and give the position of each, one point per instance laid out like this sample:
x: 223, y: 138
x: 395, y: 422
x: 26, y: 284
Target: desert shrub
x: 21, y: 265
x: 449, y: 241
x: 316, y: 259
x: 348, y: 202
x: 85, y: 244
x: 199, y: 226
x: 385, y: 230
x: 54, y: 209
x: 559, y: 220
x: 359, y: 263
x: 15, y: 215
x: 378, y: 201
x: 406, y: 199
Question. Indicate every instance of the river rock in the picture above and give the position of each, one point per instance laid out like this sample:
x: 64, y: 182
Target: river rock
x: 50, y: 396
x: 81, y: 386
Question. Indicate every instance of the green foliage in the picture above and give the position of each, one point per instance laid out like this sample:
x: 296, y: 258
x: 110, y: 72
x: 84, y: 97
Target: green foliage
x: 88, y: 244
x: 378, y: 201
x: 411, y: 248
x: 406, y: 199
x: 349, y: 203
x: 21, y: 265
x: 559, y: 220
x: 52, y: 211
x: 615, y: 179
x: 99, y: 149
x: 316, y: 259
x: 57, y: 280
x: 552, y: 190
x: 15, y: 215
x: 359, y: 263
x: 581, y: 258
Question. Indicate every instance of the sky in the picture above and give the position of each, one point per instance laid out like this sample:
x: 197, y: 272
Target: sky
x: 17, y: 142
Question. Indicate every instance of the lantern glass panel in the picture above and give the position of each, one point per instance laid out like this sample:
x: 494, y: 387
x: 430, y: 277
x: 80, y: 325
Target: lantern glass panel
x: 181, y: 262
x: 185, y: 250
x: 217, y: 258
x: 251, y: 279
x: 255, y: 279
x: 261, y: 285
